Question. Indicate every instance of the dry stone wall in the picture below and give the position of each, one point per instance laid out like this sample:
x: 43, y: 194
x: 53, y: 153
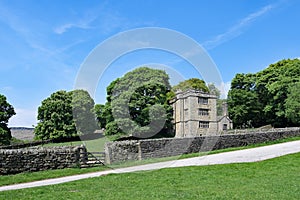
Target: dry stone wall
x: 156, y: 148
x: 14, y: 161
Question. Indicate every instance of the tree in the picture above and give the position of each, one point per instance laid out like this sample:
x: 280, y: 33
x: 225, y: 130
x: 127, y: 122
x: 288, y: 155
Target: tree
x: 65, y: 115
x: 272, y: 87
x: 6, y: 112
x: 193, y: 83
x: 265, y: 97
x: 100, y: 112
x: 55, y: 117
x: 243, y: 104
x: 214, y: 90
x: 292, y: 104
x: 137, y: 105
x: 83, y: 112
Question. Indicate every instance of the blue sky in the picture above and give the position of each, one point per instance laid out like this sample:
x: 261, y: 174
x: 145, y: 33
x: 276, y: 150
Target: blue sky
x: 44, y: 43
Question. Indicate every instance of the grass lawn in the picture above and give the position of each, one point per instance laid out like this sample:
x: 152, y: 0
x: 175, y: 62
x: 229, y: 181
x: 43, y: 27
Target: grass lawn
x: 96, y: 145
x: 277, y: 178
x: 36, y: 176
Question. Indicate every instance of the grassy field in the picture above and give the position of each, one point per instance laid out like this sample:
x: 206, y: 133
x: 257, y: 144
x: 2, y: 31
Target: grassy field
x: 42, y: 175
x: 277, y: 178
x: 96, y: 145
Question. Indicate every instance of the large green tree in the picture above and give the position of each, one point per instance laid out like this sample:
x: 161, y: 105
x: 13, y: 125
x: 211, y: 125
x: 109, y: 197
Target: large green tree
x: 137, y: 105
x: 243, y: 102
x: 6, y: 112
x: 65, y: 115
x: 83, y: 112
x: 265, y: 97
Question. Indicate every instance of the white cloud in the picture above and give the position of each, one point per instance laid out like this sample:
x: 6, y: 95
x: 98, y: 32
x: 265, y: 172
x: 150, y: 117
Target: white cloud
x: 63, y: 28
x: 23, y: 118
x: 7, y: 88
x: 236, y: 30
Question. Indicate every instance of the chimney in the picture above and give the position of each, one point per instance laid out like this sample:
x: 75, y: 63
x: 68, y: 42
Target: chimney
x: 225, y: 109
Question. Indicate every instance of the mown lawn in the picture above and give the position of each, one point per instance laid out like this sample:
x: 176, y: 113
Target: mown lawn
x: 277, y: 178
x: 36, y: 176
x: 96, y: 145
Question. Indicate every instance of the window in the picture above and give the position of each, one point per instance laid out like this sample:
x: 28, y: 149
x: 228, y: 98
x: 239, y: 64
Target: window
x: 202, y: 100
x: 203, y: 124
x: 203, y: 112
x: 224, y: 127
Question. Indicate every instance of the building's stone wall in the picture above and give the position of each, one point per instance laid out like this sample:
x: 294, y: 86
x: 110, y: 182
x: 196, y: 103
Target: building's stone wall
x: 14, y: 161
x: 224, y: 120
x: 155, y: 148
x: 186, y: 113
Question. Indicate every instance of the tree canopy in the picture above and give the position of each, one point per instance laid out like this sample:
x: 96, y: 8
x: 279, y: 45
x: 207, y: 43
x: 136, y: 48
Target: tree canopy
x: 214, y: 90
x: 6, y: 112
x: 266, y: 97
x: 193, y: 83
x: 137, y: 105
x: 65, y: 114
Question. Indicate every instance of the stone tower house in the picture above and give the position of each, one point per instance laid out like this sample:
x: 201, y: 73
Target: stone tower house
x: 195, y: 114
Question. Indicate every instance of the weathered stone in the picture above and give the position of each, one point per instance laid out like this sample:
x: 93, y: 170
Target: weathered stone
x: 155, y: 148
x: 38, y: 158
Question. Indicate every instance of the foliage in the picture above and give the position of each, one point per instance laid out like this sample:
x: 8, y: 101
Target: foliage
x: 6, y: 112
x: 193, y: 83
x: 214, y: 90
x: 263, y: 98
x: 243, y: 102
x: 62, y: 112
x: 99, y: 110
x: 220, y: 102
x: 292, y: 103
x: 137, y: 105
x: 83, y: 112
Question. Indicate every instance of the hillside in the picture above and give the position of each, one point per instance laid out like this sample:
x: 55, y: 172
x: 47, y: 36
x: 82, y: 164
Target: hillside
x: 22, y: 133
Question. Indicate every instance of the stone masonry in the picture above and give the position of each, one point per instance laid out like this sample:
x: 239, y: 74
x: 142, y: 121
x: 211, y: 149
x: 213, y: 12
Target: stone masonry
x: 14, y: 161
x: 156, y: 148
x: 195, y: 114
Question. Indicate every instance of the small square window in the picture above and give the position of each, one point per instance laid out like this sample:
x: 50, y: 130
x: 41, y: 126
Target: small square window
x: 203, y: 112
x: 203, y: 100
x: 203, y: 124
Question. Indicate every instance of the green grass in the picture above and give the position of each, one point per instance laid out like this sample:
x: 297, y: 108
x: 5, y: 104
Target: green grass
x: 35, y: 176
x: 42, y: 175
x: 96, y: 145
x: 272, y: 179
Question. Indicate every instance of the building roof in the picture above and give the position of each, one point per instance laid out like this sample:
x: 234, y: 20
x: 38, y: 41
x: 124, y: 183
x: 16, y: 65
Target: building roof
x: 219, y: 118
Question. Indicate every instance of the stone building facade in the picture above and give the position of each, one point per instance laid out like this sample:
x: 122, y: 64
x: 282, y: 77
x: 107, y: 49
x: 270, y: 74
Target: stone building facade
x: 195, y: 114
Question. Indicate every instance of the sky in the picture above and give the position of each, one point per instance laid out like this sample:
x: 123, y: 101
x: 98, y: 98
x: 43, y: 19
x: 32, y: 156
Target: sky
x: 45, y: 42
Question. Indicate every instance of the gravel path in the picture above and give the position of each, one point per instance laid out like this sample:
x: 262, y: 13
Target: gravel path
x: 240, y: 156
